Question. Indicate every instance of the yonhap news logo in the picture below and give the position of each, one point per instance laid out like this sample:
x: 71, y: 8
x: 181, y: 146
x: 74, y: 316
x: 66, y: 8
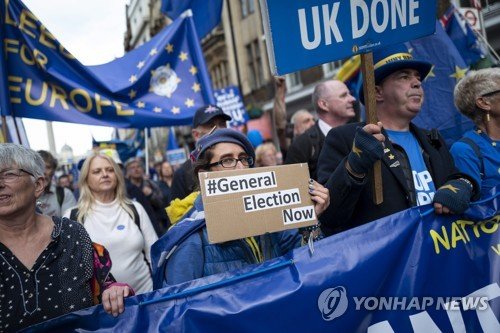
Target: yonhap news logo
x: 333, y: 302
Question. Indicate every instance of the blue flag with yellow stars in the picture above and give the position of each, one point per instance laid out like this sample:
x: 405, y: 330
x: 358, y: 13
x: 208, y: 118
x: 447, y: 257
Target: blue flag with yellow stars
x: 438, y: 110
x: 161, y: 83
x: 206, y: 13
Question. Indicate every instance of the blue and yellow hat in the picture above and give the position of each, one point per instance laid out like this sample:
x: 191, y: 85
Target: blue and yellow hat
x: 392, y: 58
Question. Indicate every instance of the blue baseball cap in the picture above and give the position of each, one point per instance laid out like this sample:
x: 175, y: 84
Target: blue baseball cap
x: 222, y: 135
x: 207, y: 112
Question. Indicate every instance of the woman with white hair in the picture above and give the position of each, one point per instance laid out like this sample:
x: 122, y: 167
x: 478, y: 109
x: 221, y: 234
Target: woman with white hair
x: 48, y: 265
x: 477, y: 154
x: 114, y: 221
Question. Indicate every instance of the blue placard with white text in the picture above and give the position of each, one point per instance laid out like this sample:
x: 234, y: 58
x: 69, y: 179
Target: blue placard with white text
x: 230, y: 101
x: 320, y: 31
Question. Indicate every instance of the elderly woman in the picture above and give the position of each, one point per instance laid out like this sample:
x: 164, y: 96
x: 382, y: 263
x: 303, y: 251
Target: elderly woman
x: 265, y: 155
x: 48, y: 266
x: 477, y: 96
x: 114, y: 221
x: 195, y: 257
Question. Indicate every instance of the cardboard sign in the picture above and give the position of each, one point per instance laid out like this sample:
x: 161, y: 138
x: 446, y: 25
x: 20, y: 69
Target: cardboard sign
x: 303, y: 34
x: 251, y: 202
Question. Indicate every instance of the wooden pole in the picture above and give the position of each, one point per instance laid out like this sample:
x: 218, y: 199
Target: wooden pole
x: 371, y: 118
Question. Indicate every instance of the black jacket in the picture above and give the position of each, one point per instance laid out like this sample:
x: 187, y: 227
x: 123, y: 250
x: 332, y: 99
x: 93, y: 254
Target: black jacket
x: 305, y: 148
x: 351, y: 202
x: 184, y: 182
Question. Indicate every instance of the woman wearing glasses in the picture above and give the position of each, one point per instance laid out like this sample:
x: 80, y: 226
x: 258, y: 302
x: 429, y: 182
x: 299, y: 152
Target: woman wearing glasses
x: 48, y: 266
x: 195, y: 257
x: 477, y: 96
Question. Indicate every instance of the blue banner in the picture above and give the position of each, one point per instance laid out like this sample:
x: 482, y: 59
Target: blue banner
x: 230, y: 101
x: 161, y: 83
x: 409, y: 272
x: 206, y: 13
x: 302, y: 34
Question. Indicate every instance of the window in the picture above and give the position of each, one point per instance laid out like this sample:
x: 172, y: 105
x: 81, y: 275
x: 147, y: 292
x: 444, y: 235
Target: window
x: 293, y: 81
x: 256, y: 75
x: 251, y: 6
x: 331, y: 68
x: 219, y: 75
x: 247, y: 7
x: 244, y: 8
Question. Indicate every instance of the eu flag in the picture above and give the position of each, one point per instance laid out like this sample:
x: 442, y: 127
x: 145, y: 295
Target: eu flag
x: 160, y: 83
x: 206, y: 13
x: 438, y: 110
x: 464, y: 39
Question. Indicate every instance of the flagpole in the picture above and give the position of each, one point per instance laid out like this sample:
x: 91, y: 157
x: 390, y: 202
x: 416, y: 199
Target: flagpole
x: 50, y: 136
x: 146, y: 148
x: 14, y: 119
x: 4, y: 130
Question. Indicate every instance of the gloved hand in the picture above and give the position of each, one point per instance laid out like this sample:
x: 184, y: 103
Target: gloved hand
x: 454, y: 195
x: 366, y: 150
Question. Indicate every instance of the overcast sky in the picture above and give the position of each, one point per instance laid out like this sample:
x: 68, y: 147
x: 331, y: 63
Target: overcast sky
x: 93, y: 31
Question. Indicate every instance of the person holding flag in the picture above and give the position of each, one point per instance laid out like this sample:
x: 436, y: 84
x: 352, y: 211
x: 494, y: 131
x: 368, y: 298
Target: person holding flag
x: 417, y: 168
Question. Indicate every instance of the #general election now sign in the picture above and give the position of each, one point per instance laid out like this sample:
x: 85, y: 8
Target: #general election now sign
x: 320, y: 31
x: 250, y: 202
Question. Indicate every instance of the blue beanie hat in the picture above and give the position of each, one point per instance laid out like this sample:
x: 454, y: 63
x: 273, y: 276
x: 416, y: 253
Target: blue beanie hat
x: 222, y: 135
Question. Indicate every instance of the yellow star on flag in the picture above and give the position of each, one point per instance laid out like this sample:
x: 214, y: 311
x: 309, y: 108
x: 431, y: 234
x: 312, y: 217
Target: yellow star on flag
x: 132, y: 79
x: 183, y: 56
x: 140, y: 64
x: 356, y: 150
x: 431, y: 73
x: 196, y: 87
x: 140, y: 105
x: 450, y: 187
x: 132, y: 93
x: 178, y: 80
x: 391, y: 157
x: 157, y: 109
x: 175, y: 110
x: 189, y: 103
x: 169, y: 48
x: 459, y: 72
x: 153, y: 52
x: 193, y: 70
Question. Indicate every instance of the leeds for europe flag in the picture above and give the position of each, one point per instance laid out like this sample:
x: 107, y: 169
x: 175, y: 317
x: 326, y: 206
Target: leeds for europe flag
x: 161, y: 83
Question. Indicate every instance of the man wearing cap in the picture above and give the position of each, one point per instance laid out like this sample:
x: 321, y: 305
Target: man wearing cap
x: 335, y: 107
x: 417, y: 168
x: 205, y: 119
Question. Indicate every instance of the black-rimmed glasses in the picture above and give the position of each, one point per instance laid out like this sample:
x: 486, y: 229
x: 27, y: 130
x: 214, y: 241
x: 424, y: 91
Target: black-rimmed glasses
x: 12, y: 175
x: 230, y: 162
x: 491, y: 93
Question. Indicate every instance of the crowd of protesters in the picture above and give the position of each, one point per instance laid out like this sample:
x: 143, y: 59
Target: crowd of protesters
x: 115, y: 213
